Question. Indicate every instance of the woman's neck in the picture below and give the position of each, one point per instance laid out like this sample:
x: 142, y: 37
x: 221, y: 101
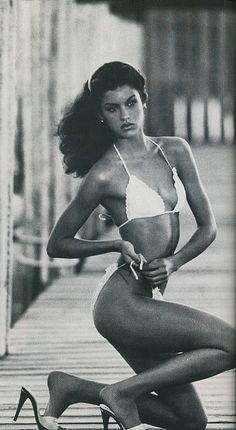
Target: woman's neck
x: 137, y: 143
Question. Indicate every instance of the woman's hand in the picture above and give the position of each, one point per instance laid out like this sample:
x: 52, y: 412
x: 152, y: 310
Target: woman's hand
x: 158, y: 271
x: 128, y: 253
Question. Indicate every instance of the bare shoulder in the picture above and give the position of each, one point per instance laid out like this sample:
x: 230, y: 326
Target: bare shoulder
x: 175, y: 148
x: 100, y: 174
x: 174, y: 144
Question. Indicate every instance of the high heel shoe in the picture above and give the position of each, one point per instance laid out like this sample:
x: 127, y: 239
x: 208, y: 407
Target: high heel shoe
x: 41, y: 421
x: 107, y: 414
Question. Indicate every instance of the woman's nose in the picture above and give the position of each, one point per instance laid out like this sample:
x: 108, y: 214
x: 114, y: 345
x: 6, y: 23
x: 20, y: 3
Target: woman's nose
x: 124, y: 114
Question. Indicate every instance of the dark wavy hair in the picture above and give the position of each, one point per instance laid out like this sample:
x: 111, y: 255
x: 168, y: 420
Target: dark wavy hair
x: 83, y: 139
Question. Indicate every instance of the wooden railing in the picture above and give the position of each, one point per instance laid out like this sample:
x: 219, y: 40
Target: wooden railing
x: 201, y: 121
x: 190, y: 68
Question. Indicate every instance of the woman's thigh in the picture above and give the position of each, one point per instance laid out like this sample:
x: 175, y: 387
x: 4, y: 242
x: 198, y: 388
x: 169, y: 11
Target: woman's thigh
x: 125, y: 315
x: 163, y: 326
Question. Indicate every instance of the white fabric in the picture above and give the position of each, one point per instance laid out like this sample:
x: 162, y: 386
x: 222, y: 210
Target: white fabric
x: 112, y: 269
x: 180, y: 191
x: 108, y: 272
x: 141, y: 201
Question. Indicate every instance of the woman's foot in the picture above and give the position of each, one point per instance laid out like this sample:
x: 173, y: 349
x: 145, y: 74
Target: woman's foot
x: 66, y: 389
x: 58, y: 397
x: 124, y: 408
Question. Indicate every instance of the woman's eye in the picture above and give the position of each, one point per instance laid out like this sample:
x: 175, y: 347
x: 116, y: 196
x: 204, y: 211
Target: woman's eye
x: 111, y: 109
x: 132, y: 102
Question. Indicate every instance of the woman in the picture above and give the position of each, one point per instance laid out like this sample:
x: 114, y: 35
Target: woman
x: 143, y: 183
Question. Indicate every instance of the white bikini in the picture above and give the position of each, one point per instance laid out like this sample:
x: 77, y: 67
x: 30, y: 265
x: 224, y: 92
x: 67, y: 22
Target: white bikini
x: 141, y: 201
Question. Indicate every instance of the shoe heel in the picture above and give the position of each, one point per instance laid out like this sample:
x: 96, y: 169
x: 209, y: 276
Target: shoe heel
x: 23, y: 397
x: 106, y: 414
x: 105, y: 419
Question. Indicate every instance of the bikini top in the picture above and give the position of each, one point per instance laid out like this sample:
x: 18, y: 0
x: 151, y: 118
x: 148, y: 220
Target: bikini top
x: 142, y: 201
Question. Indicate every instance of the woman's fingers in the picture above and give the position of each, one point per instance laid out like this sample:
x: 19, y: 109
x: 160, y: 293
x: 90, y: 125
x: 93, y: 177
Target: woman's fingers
x: 156, y: 280
x: 142, y: 261
x: 156, y: 263
x: 159, y: 284
x: 155, y: 277
x: 152, y: 281
x: 129, y: 253
x: 155, y: 272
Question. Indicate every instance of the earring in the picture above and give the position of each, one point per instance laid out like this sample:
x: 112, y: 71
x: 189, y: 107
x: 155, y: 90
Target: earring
x: 102, y: 120
x: 145, y: 105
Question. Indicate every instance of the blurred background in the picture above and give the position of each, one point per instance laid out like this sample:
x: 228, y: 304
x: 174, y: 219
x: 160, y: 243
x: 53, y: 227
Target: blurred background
x: 48, y: 49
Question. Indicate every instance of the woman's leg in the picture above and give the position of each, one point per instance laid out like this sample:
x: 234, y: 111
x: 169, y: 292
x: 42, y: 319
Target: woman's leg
x: 149, y: 326
x: 65, y: 389
x: 208, y: 346
x: 176, y: 407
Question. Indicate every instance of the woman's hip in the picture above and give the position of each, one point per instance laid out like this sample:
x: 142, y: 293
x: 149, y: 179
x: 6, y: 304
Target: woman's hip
x: 118, y: 297
x: 120, y: 283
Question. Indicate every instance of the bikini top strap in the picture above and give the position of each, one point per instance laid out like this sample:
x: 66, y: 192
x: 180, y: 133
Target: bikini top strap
x: 155, y: 143
x: 122, y: 159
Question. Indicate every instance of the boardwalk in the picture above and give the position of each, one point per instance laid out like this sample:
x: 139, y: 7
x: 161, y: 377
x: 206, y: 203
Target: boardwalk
x: 57, y: 331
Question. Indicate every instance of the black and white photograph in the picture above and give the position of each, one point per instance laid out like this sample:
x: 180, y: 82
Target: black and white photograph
x: 117, y: 214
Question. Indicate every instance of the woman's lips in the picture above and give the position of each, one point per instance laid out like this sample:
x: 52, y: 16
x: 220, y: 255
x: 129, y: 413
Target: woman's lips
x: 127, y: 126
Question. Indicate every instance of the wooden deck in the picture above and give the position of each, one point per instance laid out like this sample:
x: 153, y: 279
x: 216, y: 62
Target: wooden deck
x: 57, y: 331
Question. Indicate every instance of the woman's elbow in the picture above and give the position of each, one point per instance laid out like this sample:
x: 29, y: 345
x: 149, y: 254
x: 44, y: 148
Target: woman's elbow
x: 209, y: 232
x: 212, y: 232
x: 52, y: 249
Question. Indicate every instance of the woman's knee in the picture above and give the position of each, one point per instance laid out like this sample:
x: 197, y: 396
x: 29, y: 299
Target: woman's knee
x: 62, y: 381
x: 185, y: 402
x: 54, y: 378
x: 229, y: 347
x: 220, y: 335
x: 194, y: 422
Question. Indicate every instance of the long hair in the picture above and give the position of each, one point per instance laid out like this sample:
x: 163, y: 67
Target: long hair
x: 83, y: 138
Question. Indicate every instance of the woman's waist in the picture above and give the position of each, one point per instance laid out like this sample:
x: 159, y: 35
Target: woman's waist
x: 153, y: 237
x: 156, y: 221
x: 131, y: 279
x: 132, y: 283
x: 151, y: 247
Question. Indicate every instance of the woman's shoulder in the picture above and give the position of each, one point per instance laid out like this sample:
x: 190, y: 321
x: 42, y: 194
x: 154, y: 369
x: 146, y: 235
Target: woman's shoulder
x: 173, y: 146
x: 176, y: 149
x: 101, y: 171
x: 172, y: 143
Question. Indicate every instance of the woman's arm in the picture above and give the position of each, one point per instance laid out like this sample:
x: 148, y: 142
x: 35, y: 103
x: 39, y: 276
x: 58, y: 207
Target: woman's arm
x: 200, y: 207
x: 160, y: 269
x: 62, y: 242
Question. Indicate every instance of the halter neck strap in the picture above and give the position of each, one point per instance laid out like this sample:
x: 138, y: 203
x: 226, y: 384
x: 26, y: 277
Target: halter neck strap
x: 122, y: 159
x: 155, y: 143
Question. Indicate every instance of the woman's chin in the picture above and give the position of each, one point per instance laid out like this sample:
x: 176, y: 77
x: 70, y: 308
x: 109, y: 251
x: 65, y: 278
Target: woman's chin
x: 132, y: 132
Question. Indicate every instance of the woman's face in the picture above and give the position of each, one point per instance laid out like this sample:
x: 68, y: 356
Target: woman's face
x: 122, y: 111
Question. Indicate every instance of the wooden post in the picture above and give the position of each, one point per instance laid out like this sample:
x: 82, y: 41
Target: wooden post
x: 7, y: 126
x: 44, y: 156
x: 160, y: 69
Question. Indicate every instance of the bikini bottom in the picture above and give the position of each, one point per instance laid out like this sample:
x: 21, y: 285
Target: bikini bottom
x: 109, y: 272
